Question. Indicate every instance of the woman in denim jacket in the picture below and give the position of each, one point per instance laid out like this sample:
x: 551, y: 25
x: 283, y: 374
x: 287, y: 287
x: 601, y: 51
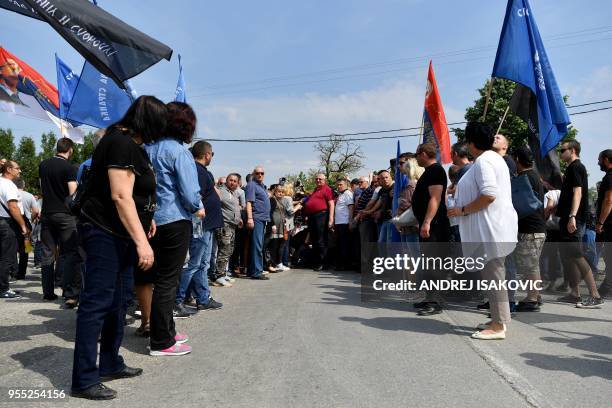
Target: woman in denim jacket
x: 178, y: 199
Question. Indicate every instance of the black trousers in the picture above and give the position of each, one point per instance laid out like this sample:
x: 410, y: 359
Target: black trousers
x: 59, y: 229
x: 170, y: 245
x: 23, y: 258
x: 317, y: 227
x: 8, y: 253
x: 343, y: 252
x: 276, y: 247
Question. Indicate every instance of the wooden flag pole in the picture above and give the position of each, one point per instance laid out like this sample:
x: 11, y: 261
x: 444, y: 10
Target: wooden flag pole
x: 503, y: 119
x: 484, y: 113
x: 422, y: 129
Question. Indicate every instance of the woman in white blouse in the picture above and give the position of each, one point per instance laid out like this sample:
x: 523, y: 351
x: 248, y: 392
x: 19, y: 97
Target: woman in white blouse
x: 487, y: 217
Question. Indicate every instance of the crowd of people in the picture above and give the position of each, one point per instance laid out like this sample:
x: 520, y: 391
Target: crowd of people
x: 143, y: 225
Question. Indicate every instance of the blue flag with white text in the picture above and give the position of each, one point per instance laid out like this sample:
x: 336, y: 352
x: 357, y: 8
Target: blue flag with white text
x: 180, y: 86
x: 98, y: 101
x: 67, y: 81
x: 401, y: 181
x: 521, y: 58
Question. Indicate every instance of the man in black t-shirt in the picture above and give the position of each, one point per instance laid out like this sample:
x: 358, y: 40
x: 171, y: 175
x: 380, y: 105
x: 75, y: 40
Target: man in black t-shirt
x: 58, y: 225
x: 573, y: 212
x: 428, y: 199
x: 604, y: 218
x: 429, y: 207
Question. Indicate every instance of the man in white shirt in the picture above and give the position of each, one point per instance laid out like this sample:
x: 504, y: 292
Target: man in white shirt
x: 29, y: 210
x: 10, y: 215
x: 342, y: 218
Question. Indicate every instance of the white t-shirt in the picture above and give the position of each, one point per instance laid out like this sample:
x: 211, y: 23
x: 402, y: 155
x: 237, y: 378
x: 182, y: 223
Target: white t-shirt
x: 552, y: 195
x: 496, y: 226
x: 29, y: 203
x: 341, y: 214
x: 8, y: 192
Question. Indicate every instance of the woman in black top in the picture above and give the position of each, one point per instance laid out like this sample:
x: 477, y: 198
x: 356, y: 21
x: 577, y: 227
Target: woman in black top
x: 116, y: 222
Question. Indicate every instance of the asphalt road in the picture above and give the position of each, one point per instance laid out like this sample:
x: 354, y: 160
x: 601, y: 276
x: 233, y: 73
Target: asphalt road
x: 305, y: 339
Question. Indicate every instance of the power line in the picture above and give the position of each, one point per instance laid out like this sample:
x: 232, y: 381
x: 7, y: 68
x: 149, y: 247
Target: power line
x: 443, y: 54
x: 590, y: 103
x: 589, y: 111
x: 316, y: 139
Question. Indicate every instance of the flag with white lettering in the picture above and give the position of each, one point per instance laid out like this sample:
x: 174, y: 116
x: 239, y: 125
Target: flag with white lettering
x: 521, y: 58
x: 19, y: 6
x: 67, y: 81
x: 115, y: 48
x: 97, y: 100
x: 180, y: 86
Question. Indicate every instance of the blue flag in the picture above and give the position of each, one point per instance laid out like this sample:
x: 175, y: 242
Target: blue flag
x: 180, y: 86
x: 401, y: 181
x: 98, y: 101
x: 67, y: 82
x: 521, y: 58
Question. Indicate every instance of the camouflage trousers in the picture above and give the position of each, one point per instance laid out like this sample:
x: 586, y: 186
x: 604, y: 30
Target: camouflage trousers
x: 527, y: 253
x: 225, y: 243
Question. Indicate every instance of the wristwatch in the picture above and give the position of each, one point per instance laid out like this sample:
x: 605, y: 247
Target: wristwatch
x: 463, y: 211
x: 572, y: 216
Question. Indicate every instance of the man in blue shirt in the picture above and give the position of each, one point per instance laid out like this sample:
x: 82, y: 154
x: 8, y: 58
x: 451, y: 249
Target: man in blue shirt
x: 258, y: 213
x: 200, y: 248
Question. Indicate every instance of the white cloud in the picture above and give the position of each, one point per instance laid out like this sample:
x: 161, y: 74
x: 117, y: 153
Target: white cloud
x: 389, y: 106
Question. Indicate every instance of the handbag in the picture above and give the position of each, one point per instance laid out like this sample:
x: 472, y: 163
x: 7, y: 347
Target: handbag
x: 405, y: 219
x: 75, y: 201
x: 524, y: 200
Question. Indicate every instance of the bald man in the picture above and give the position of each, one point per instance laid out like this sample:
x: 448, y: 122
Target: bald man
x: 500, y: 146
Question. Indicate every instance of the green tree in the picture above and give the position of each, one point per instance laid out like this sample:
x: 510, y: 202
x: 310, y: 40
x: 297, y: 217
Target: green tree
x: 306, y: 180
x: 48, y: 142
x: 7, y: 144
x: 514, y: 128
x: 28, y: 161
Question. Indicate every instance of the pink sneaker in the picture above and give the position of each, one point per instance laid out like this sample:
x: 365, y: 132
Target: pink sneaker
x: 176, y: 350
x: 181, y: 338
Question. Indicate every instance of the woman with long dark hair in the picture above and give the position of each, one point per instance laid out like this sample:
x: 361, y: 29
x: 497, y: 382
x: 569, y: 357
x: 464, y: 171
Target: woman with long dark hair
x: 178, y: 198
x: 115, y: 223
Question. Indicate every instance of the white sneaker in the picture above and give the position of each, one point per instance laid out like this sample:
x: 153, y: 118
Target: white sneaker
x: 221, y: 281
x: 265, y: 273
x: 285, y: 267
x: 228, y: 279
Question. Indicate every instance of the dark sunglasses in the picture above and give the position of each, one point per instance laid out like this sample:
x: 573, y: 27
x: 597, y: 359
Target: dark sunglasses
x: 258, y: 173
x: 563, y: 150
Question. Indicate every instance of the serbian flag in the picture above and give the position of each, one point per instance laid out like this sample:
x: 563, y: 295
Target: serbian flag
x: 25, y: 92
x: 435, y: 129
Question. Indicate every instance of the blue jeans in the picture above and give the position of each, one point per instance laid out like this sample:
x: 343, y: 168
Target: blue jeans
x: 107, y: 279
x: 196, y: 271
x: 386, y: 232
x: 257, y: 238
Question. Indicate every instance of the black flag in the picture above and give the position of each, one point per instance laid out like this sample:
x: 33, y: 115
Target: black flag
x: 524, y: 104
x: 115, y: 48
x: 19, y: 6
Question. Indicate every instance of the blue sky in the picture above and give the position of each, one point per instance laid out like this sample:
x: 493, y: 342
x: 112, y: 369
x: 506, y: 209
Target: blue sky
x: 277, y: 68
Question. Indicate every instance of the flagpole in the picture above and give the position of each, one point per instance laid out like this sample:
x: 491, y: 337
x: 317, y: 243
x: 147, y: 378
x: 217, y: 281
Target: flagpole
x: 422, y: 129
x: 503, y: 119
x: 484, y: 113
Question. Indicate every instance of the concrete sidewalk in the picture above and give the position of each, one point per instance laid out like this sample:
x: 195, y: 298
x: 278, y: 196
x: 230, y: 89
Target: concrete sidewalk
x: 305, y: 339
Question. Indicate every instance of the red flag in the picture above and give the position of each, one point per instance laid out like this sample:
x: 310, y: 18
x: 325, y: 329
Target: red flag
x: 23, y: 91
x: 435, y: 129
